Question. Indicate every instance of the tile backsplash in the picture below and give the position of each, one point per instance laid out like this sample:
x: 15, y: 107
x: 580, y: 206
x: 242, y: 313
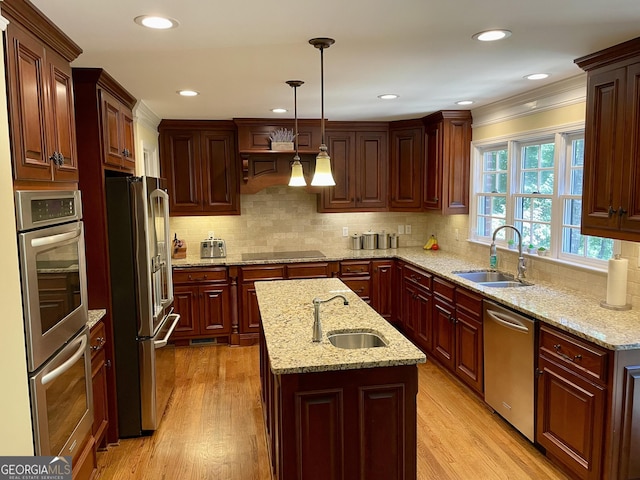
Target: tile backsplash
x: 286, y: 219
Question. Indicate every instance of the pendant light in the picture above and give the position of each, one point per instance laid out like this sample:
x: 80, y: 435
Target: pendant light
x: 297, y: 177
x: 322, y: 175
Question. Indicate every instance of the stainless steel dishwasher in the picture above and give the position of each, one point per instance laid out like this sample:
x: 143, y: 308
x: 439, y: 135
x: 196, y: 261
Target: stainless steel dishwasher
x: 509, y: 342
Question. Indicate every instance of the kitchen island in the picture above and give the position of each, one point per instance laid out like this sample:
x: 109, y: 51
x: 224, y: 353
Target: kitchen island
x: 335, y: 413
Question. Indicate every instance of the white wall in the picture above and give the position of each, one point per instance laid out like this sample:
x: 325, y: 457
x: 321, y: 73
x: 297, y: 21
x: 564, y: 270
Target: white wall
x: 15, y: 416
x: 146, y: 134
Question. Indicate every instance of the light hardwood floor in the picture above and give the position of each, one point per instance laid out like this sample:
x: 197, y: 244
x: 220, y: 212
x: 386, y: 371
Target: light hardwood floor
x: 213, y: 429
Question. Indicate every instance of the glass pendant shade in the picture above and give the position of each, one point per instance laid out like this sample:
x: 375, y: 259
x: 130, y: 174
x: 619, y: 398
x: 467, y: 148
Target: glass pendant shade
x: 322, y: 176
x: 297, y: 177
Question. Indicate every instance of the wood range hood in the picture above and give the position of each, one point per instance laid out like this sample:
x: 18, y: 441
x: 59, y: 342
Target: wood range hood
x: 262, y: 167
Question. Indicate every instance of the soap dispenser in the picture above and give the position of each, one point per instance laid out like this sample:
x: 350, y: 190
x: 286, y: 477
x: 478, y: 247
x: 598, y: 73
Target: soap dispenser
x: 493, y: 256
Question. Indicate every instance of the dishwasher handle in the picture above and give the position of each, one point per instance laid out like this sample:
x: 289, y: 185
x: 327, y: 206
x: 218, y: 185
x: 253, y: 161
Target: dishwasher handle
x: 507, y: 321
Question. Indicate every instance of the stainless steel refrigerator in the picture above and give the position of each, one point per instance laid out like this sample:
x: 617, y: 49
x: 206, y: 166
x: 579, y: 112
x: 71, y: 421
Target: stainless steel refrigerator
x: 142, y: 300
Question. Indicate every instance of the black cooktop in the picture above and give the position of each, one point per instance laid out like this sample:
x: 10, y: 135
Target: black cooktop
x: 282, y: 255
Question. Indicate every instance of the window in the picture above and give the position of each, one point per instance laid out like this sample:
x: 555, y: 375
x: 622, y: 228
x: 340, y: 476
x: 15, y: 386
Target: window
x: 535, y: 184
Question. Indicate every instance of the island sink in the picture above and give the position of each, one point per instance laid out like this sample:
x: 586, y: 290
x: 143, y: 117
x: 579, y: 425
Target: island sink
x: 353, y: 340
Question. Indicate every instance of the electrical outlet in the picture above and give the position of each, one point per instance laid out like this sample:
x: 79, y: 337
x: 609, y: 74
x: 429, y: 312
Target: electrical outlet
x: 400, y: 229
x: 407, y: 229
x: 345, y: 231
x: 211, y: 234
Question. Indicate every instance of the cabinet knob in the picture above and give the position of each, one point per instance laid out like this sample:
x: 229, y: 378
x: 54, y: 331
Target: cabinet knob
x: 611, y: 211
x: 126, y: 153
x: 348, y: 269
x: 539, y: 371
x: 621, y: 211
x: 57, y: 158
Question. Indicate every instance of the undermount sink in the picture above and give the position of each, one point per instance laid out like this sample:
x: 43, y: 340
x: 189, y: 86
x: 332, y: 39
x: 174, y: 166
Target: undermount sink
x: 353, y: 340
x: 491, y: 278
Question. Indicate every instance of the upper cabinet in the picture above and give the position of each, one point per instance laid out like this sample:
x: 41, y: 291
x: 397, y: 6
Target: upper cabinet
x: 104, y: 115
x: 359, y: 163
x: 611, y: 184
x: 447, y: 161
x: 406, y: 155
x: 40, y: 98
x: 198, y: 158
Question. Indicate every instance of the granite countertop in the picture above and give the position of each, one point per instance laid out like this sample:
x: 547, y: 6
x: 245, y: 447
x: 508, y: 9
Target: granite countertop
x: 95, y: 316
x: 553, y: 304
x: 287, y: 320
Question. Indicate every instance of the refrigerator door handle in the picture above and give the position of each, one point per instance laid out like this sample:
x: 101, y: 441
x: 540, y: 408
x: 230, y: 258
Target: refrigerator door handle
x: 163, y: 343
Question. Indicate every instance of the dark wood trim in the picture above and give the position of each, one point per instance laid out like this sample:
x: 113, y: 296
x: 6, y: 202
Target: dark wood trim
x: 617, y: 53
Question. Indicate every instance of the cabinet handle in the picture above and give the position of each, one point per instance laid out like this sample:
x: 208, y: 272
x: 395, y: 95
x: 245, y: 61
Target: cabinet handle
x: 348, y: 269
x: 539, y: 372
x: 611, y: 211
x: 621, y: 212
x: 558, y: 347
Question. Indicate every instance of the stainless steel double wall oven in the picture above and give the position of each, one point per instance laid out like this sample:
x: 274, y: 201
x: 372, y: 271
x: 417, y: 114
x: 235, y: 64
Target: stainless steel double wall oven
x: 54, y: 295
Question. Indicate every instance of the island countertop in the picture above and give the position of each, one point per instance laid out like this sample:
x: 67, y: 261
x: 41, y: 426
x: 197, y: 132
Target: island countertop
x: 286, y: 310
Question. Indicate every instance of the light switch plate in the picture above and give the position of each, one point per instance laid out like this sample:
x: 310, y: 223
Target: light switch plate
x: 345, y: 231
x: 407, y: 229
x: 400, y: 229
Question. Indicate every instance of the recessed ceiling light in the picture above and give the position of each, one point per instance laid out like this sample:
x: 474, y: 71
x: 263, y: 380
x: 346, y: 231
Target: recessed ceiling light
x: 279, y: 110
x: 537, y: 76
x: 153, y: 21
x: 388, y: 96
x: 464, y: 102
x: 188, y: 93
x: 491, y: 35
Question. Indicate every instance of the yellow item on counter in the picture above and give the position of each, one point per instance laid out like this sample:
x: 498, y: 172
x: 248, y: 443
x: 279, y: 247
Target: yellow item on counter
x: 433, y: 241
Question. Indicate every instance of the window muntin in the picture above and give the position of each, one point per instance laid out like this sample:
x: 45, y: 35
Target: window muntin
x: 492, y: 202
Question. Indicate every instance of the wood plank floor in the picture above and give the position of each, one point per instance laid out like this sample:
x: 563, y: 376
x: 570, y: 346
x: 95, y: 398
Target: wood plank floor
x: 213, y: 429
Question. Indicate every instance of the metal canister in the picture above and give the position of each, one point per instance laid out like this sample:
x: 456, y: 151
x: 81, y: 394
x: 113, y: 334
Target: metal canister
x: 355, y: 242
x: 369, y: 240
x: 393, y: 240
x: 383, y: 240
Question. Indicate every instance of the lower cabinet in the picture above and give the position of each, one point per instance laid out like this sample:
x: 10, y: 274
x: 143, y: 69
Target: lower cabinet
x: 382, y: 283
x: 248, y: 303
x: 444, y: 319
x: 572, y: 401
x: 203, y: 300
x: 417, y: 307
x: 356, y: 274
x: 469, y: 340
x: 99, y: 383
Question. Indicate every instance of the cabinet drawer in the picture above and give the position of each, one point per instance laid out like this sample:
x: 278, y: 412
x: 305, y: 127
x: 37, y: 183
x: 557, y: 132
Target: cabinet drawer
x: 579, y: 355
x: 190, y: 275
x: 417, y: 276
x: 469, y: 301
x: 444, y: 289
x: 355, y: 268
x: 309, y: 270
x: 361, y: 286
x: 97, y: 338
x: 264, y: 272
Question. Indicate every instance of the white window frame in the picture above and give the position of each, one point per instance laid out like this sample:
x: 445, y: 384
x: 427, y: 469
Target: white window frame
x: 561, y: 134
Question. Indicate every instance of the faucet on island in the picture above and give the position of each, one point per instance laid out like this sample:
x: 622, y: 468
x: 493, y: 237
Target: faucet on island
x: 492, y: 250
x: 317, y: 325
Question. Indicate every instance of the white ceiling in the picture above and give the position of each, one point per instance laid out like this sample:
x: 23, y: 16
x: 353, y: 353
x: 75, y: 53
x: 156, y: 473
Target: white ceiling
x: 238, y: 54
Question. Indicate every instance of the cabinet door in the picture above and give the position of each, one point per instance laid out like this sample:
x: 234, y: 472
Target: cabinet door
x: 630, y: 221
x: 469, y: 350
x: 128, y: 146
x: 26, y: 74
x: 186, y: 302
x: 570, y: 419
x: 422, y: 312
x: 444, y: 332
x: 250, y: 313
x: 456, y: 156
x: 603, y: 162
x: 432, y: 169
x: 180, y: 154
x: 342, y: 196
x: 111, y: 130
x: 406, y: 169
x: 409, y: 309
x: 382, y: 295
x: 371, y: 170
x: 215, y: 310
x: 219, y: 173
x: 62, y: 136
x: 99, y: 386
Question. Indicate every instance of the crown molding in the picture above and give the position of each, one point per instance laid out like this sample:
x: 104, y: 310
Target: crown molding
x: 559, y: 94
x: 147, y: 117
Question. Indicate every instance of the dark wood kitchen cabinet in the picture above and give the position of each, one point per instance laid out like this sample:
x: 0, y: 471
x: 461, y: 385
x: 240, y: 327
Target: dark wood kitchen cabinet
x: 382, y: 288
x: 359, y: 162
x: 572, y: 401
x: 406, y: 156
x: 356, y: 274
x: 105, y: 119
x: 249, y: 312
x: 202, y: 297
x: 417, y: 309
x: 611, y: 185
x: 198, y: 159
x: 40, y: 98
x: 444, y: 318
x: 446, y: 166
x: 98, y: 339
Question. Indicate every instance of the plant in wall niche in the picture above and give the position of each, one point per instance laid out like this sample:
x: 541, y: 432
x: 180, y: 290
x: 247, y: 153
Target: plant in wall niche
x: 282, y: 139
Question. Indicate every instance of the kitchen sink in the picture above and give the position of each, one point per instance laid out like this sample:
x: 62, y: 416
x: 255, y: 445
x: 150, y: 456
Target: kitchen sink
x: 353, y: 340
x: 492, y: 278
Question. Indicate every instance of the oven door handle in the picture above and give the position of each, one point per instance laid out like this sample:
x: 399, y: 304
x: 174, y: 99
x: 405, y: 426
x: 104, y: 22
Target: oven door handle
x: 51, y: 239
x: 163, y: 343
x: 55, y: 373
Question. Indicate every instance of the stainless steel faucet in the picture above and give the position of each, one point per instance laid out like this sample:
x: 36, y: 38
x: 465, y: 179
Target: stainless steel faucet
x: 317, y: 325
x: 492, y: 250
